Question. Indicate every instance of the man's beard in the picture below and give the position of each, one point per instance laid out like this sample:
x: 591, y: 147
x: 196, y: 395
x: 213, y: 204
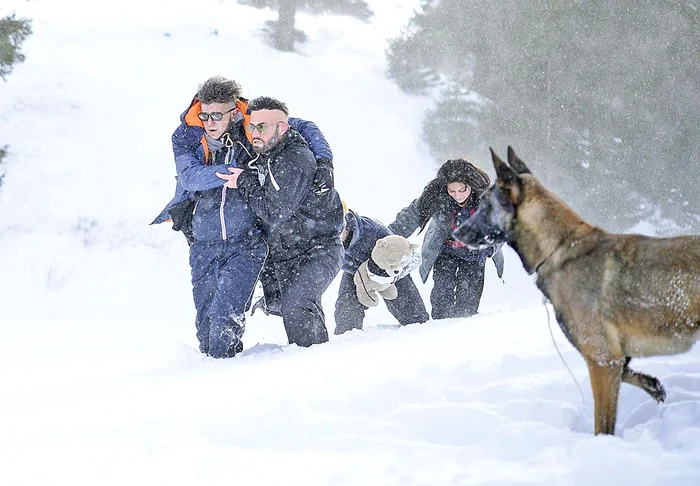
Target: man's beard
x: 266, y: 147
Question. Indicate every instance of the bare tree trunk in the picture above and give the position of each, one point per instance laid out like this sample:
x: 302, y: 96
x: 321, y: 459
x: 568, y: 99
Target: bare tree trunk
x: 284, y: 30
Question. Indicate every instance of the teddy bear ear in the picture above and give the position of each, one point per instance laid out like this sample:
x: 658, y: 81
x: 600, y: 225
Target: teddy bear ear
x: 381, y: 243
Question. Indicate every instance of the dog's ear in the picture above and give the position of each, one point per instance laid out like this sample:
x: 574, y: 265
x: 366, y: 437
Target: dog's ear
x: 507, y: 181
x: 505, y: 174
x: 516, y: 163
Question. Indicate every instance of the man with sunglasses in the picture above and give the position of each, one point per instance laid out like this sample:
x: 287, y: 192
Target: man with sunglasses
x: 302, y: 227
x: 227, y: 247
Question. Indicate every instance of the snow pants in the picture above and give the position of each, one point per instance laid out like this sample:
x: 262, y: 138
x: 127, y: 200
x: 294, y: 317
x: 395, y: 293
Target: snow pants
x: 407, y: 307
x: 302, y: 281
x: 223, y: 279
x: 457, y: 287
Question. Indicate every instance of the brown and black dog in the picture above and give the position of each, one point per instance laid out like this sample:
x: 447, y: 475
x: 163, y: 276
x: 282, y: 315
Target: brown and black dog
x: 616, y: 296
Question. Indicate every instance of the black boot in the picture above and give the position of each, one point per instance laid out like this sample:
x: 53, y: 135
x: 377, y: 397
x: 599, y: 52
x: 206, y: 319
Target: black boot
x: 267, y: 309
x: 233, y: 349
x: 259, y: 304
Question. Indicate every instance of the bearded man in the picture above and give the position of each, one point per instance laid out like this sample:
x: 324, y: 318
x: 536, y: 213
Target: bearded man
x: 302, y: 227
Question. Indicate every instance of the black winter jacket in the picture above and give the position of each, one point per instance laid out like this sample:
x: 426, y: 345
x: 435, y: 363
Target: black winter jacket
x: 278, y: 187
x: 438, y: 237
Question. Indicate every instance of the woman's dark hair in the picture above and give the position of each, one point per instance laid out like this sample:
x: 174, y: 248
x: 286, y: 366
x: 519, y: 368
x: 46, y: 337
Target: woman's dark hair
x: 435, y: 197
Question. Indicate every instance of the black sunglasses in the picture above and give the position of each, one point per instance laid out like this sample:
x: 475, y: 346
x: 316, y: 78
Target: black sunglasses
x: 216, y: 116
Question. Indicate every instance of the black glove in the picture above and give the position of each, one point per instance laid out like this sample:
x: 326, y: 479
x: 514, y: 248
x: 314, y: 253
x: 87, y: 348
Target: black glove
x: 247, y: 181
x: 260, y: 304
x: 323, y: 180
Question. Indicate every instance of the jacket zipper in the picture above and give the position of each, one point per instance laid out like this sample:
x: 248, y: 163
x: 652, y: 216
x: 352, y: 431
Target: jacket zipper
x: 221, y: 213
x: 227, y: 161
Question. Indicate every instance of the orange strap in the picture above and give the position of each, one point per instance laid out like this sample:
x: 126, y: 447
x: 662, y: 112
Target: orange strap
x: 205, y: 146
x: 243, y: 108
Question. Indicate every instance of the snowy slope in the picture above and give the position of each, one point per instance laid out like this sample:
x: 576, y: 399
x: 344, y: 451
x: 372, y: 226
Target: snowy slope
x: 101, y: 383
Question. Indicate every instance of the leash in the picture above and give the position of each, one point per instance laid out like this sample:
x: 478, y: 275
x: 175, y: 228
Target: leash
x: 549, y: 324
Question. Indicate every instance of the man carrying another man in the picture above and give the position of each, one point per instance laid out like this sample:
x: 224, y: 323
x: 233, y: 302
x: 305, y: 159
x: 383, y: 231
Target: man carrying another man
x: 227, y: 247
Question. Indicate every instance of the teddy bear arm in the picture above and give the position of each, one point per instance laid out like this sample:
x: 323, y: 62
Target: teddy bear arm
x: 366, y: 294
x: 390, y: 293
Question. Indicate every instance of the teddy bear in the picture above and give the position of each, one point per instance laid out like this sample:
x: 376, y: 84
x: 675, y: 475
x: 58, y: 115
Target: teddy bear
x: 390, y: 257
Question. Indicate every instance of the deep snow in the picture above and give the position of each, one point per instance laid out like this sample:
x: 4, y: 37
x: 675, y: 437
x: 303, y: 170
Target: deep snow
x: 101, y: 382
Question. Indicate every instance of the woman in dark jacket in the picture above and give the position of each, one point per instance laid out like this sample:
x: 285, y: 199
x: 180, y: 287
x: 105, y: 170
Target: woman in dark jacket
x: 458, y: 272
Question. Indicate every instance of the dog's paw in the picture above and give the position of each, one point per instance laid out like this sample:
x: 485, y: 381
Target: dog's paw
x: 656, y: 390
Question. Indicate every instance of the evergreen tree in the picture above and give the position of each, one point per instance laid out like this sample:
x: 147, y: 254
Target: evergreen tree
x: 600, y: 97
x: 283, y: 32
x: 13, y: 32
x: 3, y: 153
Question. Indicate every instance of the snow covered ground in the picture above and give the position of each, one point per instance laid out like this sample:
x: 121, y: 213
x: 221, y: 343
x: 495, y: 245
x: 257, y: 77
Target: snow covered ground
x: 101, y: 383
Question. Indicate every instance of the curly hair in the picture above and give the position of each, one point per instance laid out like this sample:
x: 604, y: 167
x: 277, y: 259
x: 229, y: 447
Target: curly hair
x: 218, y: 89
x: 460, y: 170
x: 435, y: 197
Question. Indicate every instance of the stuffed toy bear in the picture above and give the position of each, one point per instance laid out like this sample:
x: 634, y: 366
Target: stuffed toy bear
x: 391, y: 256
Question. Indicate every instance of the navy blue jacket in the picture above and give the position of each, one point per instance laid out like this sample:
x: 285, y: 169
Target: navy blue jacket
x: 278, y: 187
x: 363, y: 233
x: 219, y: 213
x: 197, y: 205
